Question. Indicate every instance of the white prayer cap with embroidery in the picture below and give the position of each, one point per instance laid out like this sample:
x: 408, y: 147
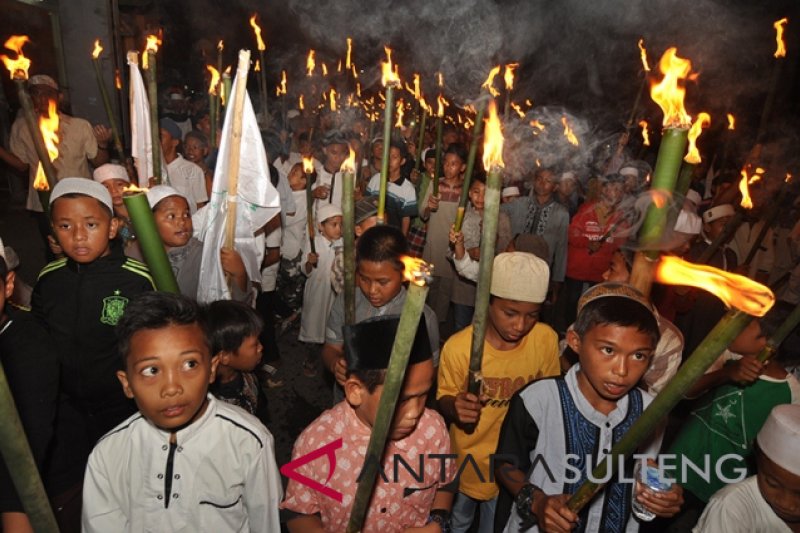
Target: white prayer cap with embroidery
x: 110, y: 171
x: 82, y: 186
x: 779, y: 437
x: 520, y: 276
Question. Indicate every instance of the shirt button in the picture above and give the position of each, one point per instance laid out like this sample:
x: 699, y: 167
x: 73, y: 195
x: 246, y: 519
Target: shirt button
x: 175, y: 495
x: 177, y: 476
x: 608, y: 424
x: 180, y: 448
x: 164, y: 447
x: 160, y: 497
x: 161, y: 476
x: 605, y: 450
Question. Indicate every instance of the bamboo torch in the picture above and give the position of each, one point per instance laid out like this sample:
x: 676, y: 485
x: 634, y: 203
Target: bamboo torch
x: 419, y: 274
x: 421, y: 142
x: 390, y: 79
x: 747, y: 299
x: 262, y: 75
x: 308, y: 168
x: 780, y: 55
x: 349, y: 232
x: 769, y: 220
x: 508, y: 77
x: 213, y: 103
x: 149, y: 65
x: 440, y: 102
x: 112, y: 117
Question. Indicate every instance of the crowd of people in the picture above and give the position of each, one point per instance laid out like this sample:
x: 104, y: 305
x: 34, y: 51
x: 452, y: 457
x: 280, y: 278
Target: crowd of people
x: 147, y: 411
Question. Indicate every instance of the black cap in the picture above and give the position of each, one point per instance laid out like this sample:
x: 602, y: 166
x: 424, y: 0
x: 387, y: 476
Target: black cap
x: 368, y: 344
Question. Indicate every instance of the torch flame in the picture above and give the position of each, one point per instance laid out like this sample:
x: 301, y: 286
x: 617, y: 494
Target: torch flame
x: 489, y: 83
x: 508, y: 76
x: 693, y: 155
x: 132, y: 188
x: 49, y: 127
x: 781, y: 48
x: 257, y: 68
x: 400, y: 113
x: 97, y: 49
x: 389, y: 74
x: 518, y: 109
x: 358, y: 89
x: 747, y: 202
x: 220, y: 45
x: 333, y: 99
x: 257, y: 30
x: 353, y: 69
x: 731, y: 122
x: 643, y: 54
x: 537, y: 124
x: 212, y: 86
x: 308, y: 165
x: 18, y: 68
x: 300, y: 103
x: 349, y: 51
x: 283, y: 82
x: 493, y: 141
x: 788, y: 178
x: 153, y: 42
x: 118, y: 79
x: 310, y: 63
x: 349, y: 165
x: 324, y: 69
x: 440, y: 76
x: 668, y: 94
x: 734, y: 290
x: 441, y: 102
x: 568, y: 133
x: 416, y: 270
x: 645, y: 133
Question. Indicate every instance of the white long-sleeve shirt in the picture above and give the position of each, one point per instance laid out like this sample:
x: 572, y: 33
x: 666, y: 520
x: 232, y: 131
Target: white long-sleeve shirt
x: 220, y: 475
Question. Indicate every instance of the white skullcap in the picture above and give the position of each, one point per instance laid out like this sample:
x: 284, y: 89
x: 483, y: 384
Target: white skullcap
x: 327, y: 211
x: 510, y: 191
x: 520, y: 276
x: 629, y: 171
x: 83, y: 186
x: 292, y: 113
x: 43, y: 79
x: 688, y: 222
x: 723, y: 210
x: 779, y: 437
x: 110, y: 171
x: 694, y: 197
x: 159, y: 192
x: 568, y: 176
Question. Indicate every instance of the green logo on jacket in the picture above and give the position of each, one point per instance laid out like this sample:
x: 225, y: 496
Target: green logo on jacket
x: 113, y: 308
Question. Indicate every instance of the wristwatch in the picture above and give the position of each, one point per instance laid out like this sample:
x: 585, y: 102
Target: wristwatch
x: 524, y: 503
x: 441, y: 517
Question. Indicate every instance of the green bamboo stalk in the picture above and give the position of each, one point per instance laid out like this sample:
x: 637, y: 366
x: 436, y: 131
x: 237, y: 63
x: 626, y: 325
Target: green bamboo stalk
x: 437, y: 166
x: 421, y: 142
x: 393, y: 383
x: 144, y: 225
x: 310, y: 211
x: 112, y: 118
x: 227, y: 83
x: 262, y: 83
x: 726, y: 330
x: 155, y: 130
x: 480, y: 108
x: 684, y: 178
x: 388, y: 113
x: 19, y: 460
x: 349, y: 257
x: 32, y: 122
x: 780, y: 335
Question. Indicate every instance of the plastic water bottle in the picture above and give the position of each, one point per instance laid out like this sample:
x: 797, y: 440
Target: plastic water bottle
x: 651, y: 478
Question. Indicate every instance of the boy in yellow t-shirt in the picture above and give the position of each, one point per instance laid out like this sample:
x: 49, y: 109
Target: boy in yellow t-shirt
x: 517, y: 350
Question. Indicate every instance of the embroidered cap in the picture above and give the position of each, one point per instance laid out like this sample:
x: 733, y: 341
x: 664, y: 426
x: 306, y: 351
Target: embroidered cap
x: 82, y: 186
x: 43, y: 79
x: 327, y: 211
x: 510, y: 191
x: 110, y: 171
x: 159, y: 192
x: 365, y: 208
x: 717, y: 212
x: 368, y: 344
x: 171, y: 127
x: 779, y: 437
x: 510, y: 268
x: 611, y: 288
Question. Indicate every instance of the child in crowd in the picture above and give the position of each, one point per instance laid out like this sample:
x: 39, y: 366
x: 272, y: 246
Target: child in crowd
x: 327, y: 188
x: 115, y: 179
x: 581, y: 416
x: 401, y: 196
x: 195, y: 147
x: 518, y: 349
x: 770, y: 500
x: 379, y: 277
x: 509, y: 194
x: 185, y: 461
x: 318, y: 267
x: 291, y: 281
x: 404, y: 501
x: 234, y: 329
x: 184, y: 175
x: 80, y: 299
x: 417, y: 234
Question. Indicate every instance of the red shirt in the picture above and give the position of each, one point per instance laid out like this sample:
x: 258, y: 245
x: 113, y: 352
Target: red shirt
x: 585, y: 228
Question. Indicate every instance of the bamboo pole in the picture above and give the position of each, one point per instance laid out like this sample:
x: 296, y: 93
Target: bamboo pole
x: 155, y: 130
x: 421, y: 142
x: 480, y: 108
x: 310, y: 209
x: 235, y: 149
x: 388, y: 113
x: 155, y: 255
x: 349, y: 257
x: 31, y: 121
x: 438, y: 164
x: 780, y: 334
x: 112, y: 118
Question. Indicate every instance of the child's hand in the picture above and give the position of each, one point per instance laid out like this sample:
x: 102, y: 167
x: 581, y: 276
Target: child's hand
x: 233, y: 266
x: 663, y: 504
x: 340, y: 370
x: 745, y: 370
x: 56, y: 248
x: 468, y: 408
x: 553, y: 514
x: 457, y: 240
x: 433, y: 203
x: 321, y: 192
x: 313, y: 258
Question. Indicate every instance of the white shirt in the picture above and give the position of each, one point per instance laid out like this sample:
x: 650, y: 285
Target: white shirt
x: 740, y: 508
x: 295, y: 231
x: 188, y: 178
x: 222, y: 476
x: 326, y: 178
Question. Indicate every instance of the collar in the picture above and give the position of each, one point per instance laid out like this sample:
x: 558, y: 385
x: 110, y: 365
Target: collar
x: 115, y: 257
x: 358, y: 431
x: 186, y: 434
x: 399, y: 180
x: 587, y: 410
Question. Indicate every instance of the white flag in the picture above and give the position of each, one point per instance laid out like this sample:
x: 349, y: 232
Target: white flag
x: 141, y: 132
x: 257, y: 202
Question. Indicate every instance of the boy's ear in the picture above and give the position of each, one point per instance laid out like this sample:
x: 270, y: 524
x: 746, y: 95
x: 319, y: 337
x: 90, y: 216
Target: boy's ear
x: 122, y: 376
x: 8, y: 288
x: 354, y: 391
x: 574, y: 341
x: 215, y: 360
x: 113, y: 228
x: 358, y: 230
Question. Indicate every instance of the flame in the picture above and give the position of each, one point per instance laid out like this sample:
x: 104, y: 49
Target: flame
x: 133, y: 188
x: 49, y: 127
x: 283, y: 82
x: 780, y: 51
x: 300, y: 103
x: 643, y: 54
x: 400, y: 113
x: 358, y: 89
x: 97, y: 49
x: 693, y: 154
x: 416, y: 270
x: 389, y: 74
x: 489, y: 83
x: 214, y: 84
x: 441, y: 102
x: 324, y: 69
x: 257, y: 68
x: 339, y: 67
x: 416, y: 90
x: 734, y: 290
x: 118, y: 80
x: 493, y: 141
x: 153, y: 42
x: 536, y: 124
x: 333, y: 99
x: 349, y: 165
x: 731, y: 122
x: 788, y: 178
x: 424, y: 105
x: 18, y: 68
x: 308, y: 165
x: 349, y: 51
x: 518, y: 109
x: 310, y: 63
x: 668, y: 94
x: 645, y: 133
x: 747, y: 202
x: 223, y: 95
x: 568, y: 133
x: 257, y: 30
x: 355, y: 74
x: 508, y: 76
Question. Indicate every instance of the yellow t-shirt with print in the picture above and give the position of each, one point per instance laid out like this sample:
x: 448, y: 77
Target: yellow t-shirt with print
x: 504, y: 373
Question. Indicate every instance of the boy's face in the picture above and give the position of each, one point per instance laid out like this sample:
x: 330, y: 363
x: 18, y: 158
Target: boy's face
x: 377, y: 149
x: 617, y: 269
x: 453, y: 167
x: 714, y: 228
x: 335, y: 154
x: 332, y: 227
x: 364, y: 225
x: 511, y: 320
x: 174, y: 221
x: 567, y: 187
x: 167, y: 373
x: 396, y: 160
x: 613, y: 359
x: 477, y: 190
x: 612, y: 193
x: 204, y: 125
x: 379, y: 281
x: 410, y: 405
x: 194, y: 150
x: 430, y: 165
x: 297, y: 179
x: 750, y: 341
x: 544, y: 183
x: 780, y: 488
x: 168, y: 143
x: 247, y: 357
x: 115, y: 188
x: 83, y: 227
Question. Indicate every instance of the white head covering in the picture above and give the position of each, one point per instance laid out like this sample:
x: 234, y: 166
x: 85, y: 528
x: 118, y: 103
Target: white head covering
x: 81, y: 186
x: 779, y: 437
x: 694, y: 197
x: 159, y: 192
x: 510, y: 191
x: 722, y: 210
x: 327, y: 211
x: 688, y: 222
x: 110, y: 171
x: 511, y: 267
x: 43, y: 79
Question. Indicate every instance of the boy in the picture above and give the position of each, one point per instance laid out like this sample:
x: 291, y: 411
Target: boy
x: 569, y: 424
x: 184, y: 175
x: 327, y: 188
x: 185, y: 461
x: 517, y: 350
x: 770, y: 500
x: 401, y: 501
x: 401, y: 196
x: 80, y: 299
x: 115, y: 179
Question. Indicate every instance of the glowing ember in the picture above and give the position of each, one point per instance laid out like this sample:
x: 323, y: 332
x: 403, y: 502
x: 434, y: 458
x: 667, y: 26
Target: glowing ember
x: 214, y: 83
x: 349, y: 51
x: 731, y: 122
x: 643, y: 54
x: 645, y: 133
x: 310, y: 63
x: 389, y: 74
x: 300, y: 103
x: 18, y: 68
x: 508, y: 75
x: 97, y: 49
x: 416, y: 270
x: 493, y: 141
x: 257, y: 30
x: 518, y: 109
x: 333, y: 99
x: 489, y: 83
x: 734, y: 290
x: 568, y: 133
x: 308, y: 165
x: 668, y: 93
x: 349, y: 165
x: 693, y: 154
x: 780, y: 51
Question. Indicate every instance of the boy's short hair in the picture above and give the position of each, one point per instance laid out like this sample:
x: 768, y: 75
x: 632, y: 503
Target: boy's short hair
x: 458, y: 149
x: 199, y: 136
x: 157, y: 310
x: 400, y: 145
x: 334, y: 137
x: 616, y: 304
x: 382, y: 243
x: 82, y: 188
x: 230, y: 323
